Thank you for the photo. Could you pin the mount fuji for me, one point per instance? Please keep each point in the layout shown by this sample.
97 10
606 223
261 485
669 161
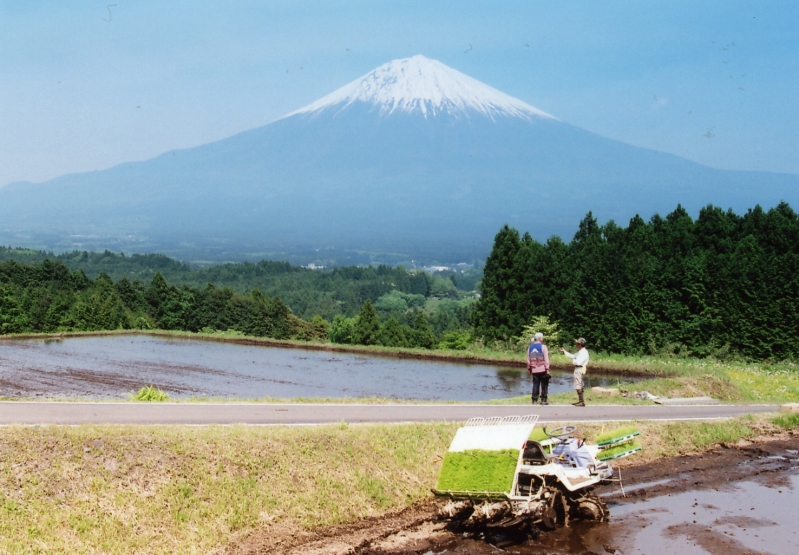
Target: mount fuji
414 160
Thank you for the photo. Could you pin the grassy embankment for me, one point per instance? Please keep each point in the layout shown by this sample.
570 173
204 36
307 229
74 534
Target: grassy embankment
182 489
729 382
733 381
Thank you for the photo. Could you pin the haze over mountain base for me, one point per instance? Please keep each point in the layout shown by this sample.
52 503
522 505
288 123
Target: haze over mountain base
414 161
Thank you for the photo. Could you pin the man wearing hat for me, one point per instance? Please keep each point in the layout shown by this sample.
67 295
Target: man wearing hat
580 361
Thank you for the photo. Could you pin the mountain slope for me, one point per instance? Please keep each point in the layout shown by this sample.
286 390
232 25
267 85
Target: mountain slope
413 158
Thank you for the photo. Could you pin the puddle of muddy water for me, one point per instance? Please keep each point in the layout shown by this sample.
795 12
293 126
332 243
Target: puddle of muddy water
750 512
112 366
748 518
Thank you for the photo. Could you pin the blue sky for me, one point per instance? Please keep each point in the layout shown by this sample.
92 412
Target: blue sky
84 88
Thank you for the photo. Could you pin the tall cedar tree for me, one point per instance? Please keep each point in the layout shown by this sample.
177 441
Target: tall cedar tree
367 328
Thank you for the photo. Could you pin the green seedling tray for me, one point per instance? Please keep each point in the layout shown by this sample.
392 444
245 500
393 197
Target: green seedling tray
611 438
619 452
478 471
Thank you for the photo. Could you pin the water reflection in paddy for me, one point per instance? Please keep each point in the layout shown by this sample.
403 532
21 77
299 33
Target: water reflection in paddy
111 366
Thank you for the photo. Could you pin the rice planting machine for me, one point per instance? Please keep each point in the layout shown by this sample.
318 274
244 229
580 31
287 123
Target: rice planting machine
506 475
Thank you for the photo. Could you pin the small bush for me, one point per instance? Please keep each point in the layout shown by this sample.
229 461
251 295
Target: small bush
149 393
457 340
551 330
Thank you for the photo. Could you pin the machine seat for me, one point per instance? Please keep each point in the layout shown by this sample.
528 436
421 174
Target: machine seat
534 454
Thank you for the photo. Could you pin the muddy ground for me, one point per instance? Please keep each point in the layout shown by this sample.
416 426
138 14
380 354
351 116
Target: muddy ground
731 500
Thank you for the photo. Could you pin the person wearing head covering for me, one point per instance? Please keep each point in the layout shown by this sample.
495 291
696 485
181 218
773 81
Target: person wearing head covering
538 367
580 361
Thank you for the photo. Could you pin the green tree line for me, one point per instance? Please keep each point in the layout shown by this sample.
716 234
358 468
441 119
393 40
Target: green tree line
720 283
48 297
326 293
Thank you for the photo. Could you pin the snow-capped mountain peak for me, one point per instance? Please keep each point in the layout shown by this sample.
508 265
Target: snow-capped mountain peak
419 84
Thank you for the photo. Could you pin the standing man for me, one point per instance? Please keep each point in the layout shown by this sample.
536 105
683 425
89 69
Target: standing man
538 367
580 361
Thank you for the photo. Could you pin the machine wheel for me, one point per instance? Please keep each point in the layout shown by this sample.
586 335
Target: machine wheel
555 513
591 507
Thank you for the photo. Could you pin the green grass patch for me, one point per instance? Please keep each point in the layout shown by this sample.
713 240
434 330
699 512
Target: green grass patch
700 435
149 393
787 421
769 384
539 435
478 471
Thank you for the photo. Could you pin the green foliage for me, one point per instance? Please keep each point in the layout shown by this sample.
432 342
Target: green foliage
47 297
341 330
478 471
149 393
328 293
318 329
443 287
157 292
787 421
497 313
457 340
721 286
397 301
419 283
422 336
392 301
367 326
540 324
392 334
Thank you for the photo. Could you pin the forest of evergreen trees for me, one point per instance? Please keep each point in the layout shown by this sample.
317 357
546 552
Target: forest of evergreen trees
722 283
49 297
326 293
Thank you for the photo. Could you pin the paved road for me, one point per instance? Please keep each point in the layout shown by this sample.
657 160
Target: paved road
16 412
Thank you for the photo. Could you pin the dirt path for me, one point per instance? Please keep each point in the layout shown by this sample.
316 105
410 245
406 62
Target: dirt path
768 462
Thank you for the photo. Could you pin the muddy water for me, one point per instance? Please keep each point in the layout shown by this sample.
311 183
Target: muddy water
113 366
748 517
732 502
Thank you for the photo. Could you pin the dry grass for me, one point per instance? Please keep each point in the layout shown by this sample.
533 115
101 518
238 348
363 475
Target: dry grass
125 489
184 489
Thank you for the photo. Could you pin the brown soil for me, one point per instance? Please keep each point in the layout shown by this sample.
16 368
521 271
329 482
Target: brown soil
411 525
415 530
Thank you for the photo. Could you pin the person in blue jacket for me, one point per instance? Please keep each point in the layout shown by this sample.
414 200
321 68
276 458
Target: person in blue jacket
538 367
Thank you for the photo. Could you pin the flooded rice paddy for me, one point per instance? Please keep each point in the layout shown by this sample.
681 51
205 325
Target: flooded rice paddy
111 366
